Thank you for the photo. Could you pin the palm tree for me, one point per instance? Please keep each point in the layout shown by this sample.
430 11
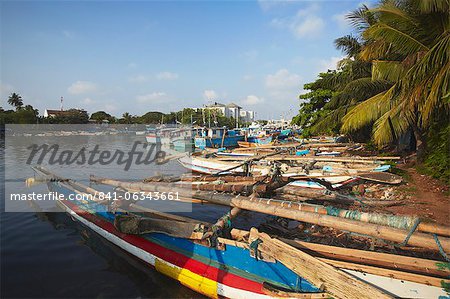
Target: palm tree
408 45
127 118
15 100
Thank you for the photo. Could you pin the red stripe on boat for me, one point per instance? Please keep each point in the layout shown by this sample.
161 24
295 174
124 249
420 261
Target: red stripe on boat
173 257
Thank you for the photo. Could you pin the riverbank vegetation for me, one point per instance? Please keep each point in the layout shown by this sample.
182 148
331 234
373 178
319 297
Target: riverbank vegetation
393 86
188 116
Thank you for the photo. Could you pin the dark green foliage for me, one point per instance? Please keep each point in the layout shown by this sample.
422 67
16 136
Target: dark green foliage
71 116
15 100
101 116
22 115
437 159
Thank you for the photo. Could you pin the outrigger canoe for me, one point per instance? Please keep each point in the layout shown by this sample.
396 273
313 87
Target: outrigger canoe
230 267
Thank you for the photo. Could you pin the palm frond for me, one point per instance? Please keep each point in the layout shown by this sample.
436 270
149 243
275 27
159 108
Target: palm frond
368 111
392 124
401 41
387 70
331 121
348 44
430 63
376 49
439 87
361 18
389 12
427 6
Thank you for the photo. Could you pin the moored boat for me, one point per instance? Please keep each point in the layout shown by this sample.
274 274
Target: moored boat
235 268
217 137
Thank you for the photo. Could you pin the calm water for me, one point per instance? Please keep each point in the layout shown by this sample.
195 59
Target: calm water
48 255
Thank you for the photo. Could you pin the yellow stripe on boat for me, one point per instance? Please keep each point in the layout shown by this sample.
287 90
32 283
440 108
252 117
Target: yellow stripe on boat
188 278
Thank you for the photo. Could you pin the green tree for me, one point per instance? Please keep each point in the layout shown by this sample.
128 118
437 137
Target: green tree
408 46
15 100
153 117
101 116
71 116
127 118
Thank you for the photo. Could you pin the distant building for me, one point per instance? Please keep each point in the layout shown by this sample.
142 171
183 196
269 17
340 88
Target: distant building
232 110
54 113
219 107
278 123
247 116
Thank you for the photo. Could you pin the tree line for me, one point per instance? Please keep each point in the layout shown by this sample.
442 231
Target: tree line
26 114
393 86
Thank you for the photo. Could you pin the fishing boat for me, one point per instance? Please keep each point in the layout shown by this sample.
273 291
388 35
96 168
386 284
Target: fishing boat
152 136
243 264
217 137
260 139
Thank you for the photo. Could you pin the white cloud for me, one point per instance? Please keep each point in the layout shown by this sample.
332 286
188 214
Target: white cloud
282 79
282 90
341 20
210 95
329 64
167 76
87 101
309 27
154 97
267 5
111 108
139 79
305 24
252 100
5 90
80 87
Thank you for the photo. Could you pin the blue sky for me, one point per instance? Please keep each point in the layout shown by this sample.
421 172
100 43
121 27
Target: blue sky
161 56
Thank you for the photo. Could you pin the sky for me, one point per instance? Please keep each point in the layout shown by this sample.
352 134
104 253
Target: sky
140 56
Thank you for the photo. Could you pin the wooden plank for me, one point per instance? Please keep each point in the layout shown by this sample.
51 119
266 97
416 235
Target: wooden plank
371 258
317 272
428 280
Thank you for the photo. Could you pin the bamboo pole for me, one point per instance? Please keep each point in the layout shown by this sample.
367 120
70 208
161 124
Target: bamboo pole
328 278
293 211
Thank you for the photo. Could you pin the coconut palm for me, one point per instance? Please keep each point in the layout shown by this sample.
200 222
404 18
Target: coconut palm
408 45
15 100
127 118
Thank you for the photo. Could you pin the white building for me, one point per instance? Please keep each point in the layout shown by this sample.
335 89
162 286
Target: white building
233 110
278 123
247 116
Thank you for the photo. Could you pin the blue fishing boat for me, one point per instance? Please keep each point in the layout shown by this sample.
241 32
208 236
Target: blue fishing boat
217 137
220 262
226 269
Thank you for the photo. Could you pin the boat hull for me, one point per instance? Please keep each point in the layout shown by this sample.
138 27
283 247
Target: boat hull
228 141
230 273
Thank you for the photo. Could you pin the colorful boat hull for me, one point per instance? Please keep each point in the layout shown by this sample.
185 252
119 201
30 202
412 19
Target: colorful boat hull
230 273
216 142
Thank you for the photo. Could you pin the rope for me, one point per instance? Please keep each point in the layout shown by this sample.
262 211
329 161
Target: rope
441 249
254 246
411 231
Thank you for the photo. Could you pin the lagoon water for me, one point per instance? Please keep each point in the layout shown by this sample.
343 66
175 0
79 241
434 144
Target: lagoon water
46 254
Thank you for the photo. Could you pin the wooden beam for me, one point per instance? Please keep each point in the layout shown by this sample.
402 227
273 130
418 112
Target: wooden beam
326 277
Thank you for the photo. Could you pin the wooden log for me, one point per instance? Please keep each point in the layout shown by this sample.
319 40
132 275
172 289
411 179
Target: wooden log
431 281
239 234
371 258
374 230
291 210
319 273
